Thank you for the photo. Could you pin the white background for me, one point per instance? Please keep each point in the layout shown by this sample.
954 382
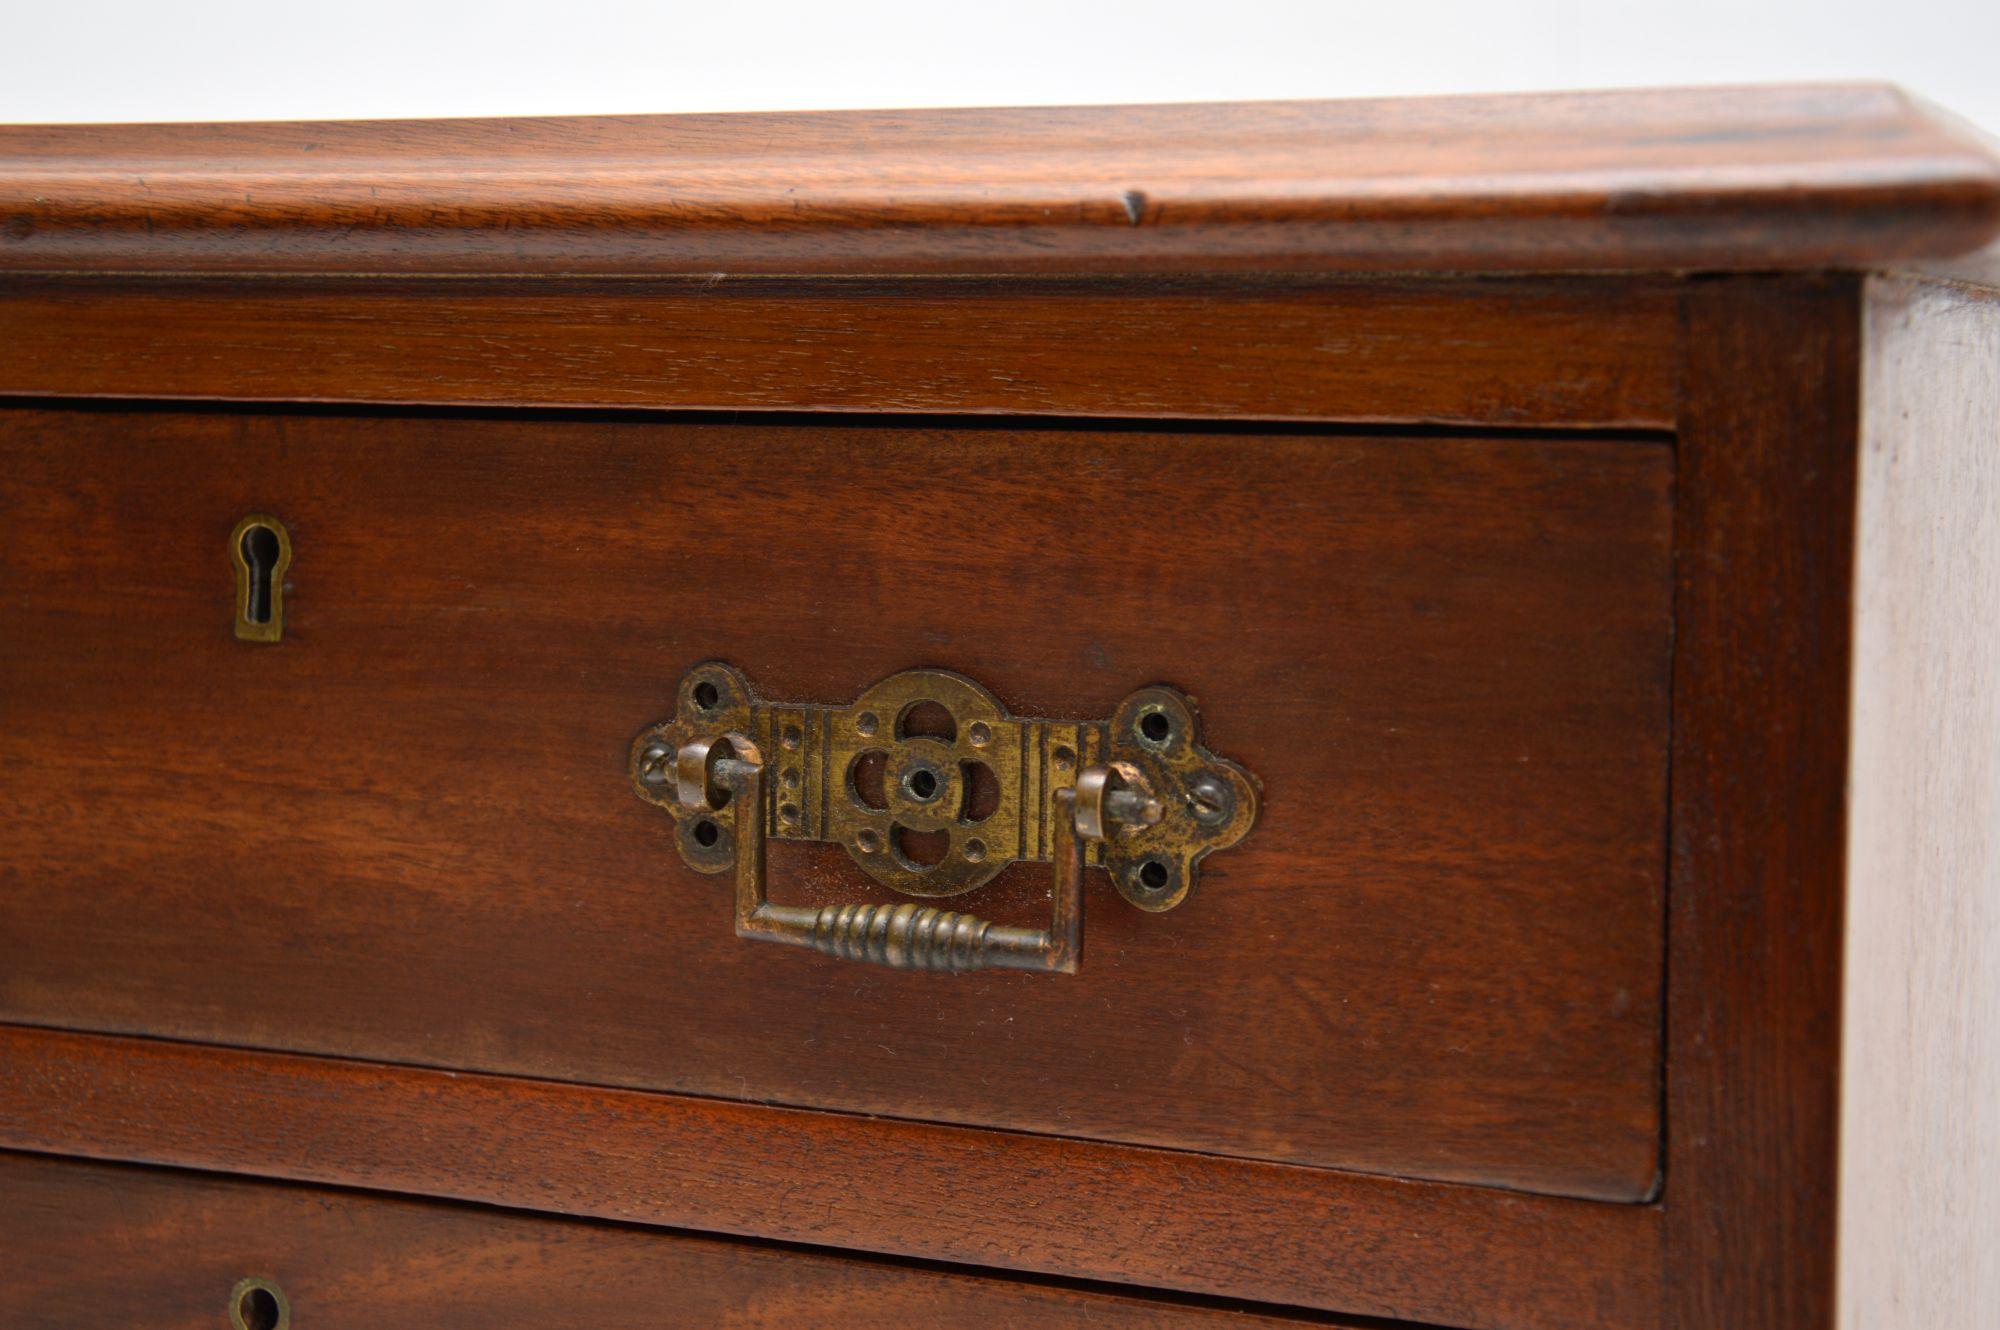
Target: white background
288 59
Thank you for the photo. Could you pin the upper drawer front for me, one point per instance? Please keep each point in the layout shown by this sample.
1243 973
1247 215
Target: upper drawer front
406 830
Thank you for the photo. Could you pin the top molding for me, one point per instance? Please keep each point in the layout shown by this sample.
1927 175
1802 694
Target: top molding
1837 176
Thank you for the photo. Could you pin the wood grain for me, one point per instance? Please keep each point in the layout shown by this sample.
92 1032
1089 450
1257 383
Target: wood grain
1764 537
1696 178
1486 352
1461 1256
1920 1103
1446 659
91 1245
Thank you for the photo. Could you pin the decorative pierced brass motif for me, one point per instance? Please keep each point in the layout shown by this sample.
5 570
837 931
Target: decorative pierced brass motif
933 789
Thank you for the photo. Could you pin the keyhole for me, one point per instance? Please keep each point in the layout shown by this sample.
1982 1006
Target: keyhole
258 1304
262 551
258 1309
260 556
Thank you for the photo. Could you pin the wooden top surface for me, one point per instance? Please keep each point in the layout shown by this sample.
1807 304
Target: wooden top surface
1844 176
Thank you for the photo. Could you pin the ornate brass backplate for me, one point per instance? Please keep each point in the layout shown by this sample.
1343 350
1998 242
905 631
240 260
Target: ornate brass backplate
933 788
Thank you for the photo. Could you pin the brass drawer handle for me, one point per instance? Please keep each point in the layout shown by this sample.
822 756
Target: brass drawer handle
1137 794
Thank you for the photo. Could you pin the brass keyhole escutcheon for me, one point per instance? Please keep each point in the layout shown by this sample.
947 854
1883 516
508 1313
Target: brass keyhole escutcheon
260 548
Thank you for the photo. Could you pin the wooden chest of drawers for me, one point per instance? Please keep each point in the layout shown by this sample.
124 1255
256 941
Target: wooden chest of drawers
1458 638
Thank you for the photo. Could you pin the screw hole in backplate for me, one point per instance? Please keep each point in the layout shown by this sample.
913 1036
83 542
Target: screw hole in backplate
706 833
706 696
1155 728
1153 874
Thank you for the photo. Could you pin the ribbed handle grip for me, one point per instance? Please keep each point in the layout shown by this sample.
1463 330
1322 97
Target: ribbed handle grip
907 937
904 937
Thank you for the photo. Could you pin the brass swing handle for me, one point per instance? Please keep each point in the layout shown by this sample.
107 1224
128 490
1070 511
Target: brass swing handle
908 936
931 753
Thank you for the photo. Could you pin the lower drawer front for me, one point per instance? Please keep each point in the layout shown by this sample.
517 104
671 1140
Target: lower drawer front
406 831
90 1245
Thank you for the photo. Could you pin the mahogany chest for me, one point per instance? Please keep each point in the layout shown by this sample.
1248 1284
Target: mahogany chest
1377 713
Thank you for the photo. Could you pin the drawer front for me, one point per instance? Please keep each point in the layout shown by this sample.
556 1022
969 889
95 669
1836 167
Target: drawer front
405 831
90 1245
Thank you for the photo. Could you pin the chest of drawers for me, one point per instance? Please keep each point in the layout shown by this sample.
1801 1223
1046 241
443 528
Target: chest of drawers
1373 710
